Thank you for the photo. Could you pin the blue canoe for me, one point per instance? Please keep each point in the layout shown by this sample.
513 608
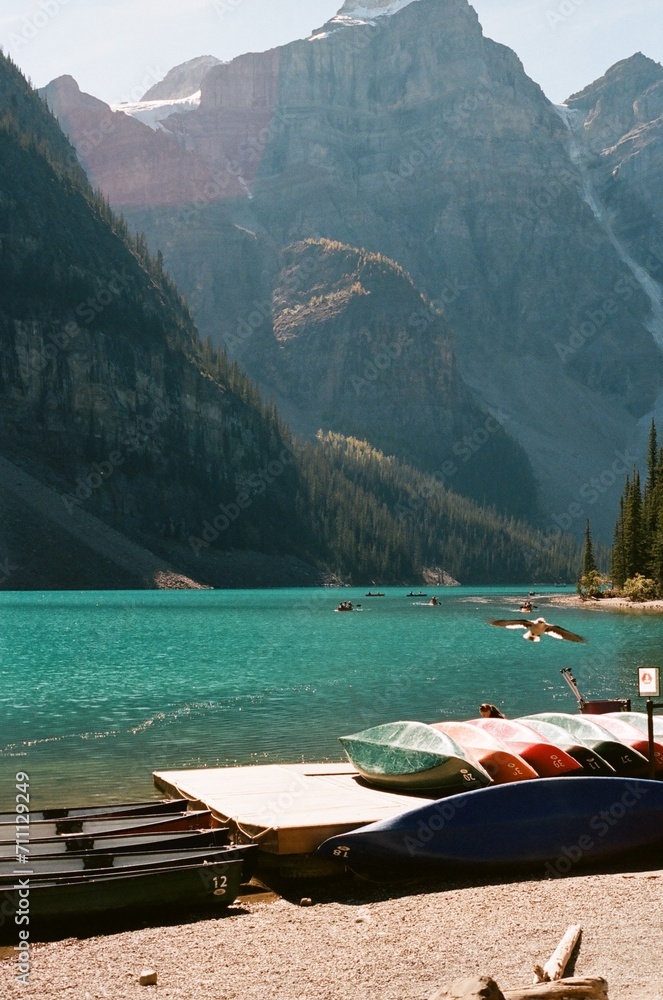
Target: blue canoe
556 823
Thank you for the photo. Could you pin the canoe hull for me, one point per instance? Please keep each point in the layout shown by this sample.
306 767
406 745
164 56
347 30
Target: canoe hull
501 764
158 807
166 891
411 756
548 760
554 826
109 827
626 761
82 845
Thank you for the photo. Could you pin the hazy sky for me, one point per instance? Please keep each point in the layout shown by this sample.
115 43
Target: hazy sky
116 49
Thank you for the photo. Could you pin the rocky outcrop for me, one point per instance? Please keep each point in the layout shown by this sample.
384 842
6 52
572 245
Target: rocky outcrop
183 80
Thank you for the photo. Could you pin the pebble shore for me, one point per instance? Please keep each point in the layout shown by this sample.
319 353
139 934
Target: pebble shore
402 943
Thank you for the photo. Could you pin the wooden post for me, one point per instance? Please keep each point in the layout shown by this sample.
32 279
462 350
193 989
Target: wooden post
558 961
650 736
561 989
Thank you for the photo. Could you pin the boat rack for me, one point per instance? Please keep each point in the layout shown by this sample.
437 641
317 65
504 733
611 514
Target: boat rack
594 707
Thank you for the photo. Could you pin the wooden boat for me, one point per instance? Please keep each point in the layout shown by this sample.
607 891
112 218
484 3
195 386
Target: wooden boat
494 756
631 737
626 762
170 890
82 845
548 760
411 756
72 867
555 826
638 720
590 761
156 807
110 827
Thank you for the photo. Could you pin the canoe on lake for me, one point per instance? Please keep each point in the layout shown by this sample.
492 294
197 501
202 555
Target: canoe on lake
590 761
411 756
501 763
547 759
555 826
626 762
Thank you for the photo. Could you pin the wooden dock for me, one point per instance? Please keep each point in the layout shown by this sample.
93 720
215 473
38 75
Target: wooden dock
288 809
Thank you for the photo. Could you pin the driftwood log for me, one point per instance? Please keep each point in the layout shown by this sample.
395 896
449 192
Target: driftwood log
558 961
562 989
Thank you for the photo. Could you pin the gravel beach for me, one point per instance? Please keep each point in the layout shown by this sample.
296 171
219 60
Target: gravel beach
369 943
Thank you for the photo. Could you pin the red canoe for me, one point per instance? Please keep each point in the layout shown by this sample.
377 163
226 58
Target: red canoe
548 760
494 756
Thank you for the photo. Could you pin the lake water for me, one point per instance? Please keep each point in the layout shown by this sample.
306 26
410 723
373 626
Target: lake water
97 690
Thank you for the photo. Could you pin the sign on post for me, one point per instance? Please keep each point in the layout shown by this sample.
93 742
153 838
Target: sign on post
649 684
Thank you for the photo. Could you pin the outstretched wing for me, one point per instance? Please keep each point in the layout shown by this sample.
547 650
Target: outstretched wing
557 632
513 623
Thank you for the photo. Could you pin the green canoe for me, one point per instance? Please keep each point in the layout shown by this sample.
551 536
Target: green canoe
411 756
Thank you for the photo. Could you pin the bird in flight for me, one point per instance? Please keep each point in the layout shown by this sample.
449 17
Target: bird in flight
534 630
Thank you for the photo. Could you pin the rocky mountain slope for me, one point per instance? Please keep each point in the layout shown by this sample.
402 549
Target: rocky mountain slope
132 454
401 129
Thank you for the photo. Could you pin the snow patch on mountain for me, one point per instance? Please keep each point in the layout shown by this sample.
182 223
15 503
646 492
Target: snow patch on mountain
353 14
154 113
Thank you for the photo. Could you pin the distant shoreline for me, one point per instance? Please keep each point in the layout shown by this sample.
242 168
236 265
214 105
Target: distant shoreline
605 603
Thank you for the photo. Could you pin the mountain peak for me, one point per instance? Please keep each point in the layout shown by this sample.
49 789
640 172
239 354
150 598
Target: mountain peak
357 12
372 8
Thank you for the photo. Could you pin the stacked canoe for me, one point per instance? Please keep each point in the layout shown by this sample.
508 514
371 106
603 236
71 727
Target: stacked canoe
610 811
116 860
448 757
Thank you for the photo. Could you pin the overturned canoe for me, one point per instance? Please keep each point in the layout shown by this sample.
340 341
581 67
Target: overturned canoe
156 807
83 845
501 763
555 825
639 720
117 826
411 756
626 761
547 759
591 762
632 737
73 867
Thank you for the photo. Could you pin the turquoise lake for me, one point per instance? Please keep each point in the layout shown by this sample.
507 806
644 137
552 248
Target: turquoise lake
97 690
